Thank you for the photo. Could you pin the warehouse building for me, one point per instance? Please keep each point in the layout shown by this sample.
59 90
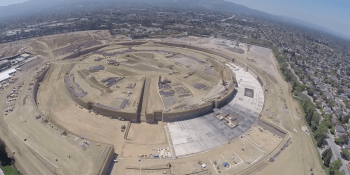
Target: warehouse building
6 75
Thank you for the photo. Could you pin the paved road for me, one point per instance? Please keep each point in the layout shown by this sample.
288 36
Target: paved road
336 153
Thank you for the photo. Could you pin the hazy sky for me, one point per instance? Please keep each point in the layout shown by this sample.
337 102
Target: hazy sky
331 14
9 2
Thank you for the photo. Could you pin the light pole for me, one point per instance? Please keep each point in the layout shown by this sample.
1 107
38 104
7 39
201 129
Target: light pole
140 166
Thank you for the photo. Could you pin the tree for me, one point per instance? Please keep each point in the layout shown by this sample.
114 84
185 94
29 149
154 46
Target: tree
310 92
299 87
347 104
345 119
327 123
344 138
318 104
338 141
327 159
319 137
325 153
345 154
5 160
330 103
334 167
2 148
332 130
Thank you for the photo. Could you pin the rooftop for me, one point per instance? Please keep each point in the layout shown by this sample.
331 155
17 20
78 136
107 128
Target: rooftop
6 74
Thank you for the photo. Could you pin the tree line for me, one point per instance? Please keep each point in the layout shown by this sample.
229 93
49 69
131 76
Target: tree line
319 129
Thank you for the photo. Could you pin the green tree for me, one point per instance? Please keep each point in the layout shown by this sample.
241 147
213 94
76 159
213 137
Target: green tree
327 123
325 153
345 154
5 160
334 167
338 141
347 104
332 130
345 119
318 104
310 92
344 138
327 159
319 137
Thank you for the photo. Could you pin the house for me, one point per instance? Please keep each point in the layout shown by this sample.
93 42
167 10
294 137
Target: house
329 96
338 102
338 111
327 110
343 96
339 131
324 104
346 145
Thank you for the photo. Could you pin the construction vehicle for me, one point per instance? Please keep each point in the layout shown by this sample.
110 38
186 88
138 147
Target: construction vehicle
123 128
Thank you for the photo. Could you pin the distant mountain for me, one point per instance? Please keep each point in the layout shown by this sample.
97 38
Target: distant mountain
52 6
40 6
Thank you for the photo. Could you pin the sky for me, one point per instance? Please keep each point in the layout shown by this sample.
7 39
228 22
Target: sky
331 14
9 2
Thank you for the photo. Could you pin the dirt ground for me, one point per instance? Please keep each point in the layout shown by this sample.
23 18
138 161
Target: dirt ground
38 146
82 150
280 108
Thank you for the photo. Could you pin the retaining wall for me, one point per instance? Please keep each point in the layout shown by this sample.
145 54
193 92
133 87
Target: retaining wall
231 93
132 43
158 115
83 52
188 114
130 116
192 113
197 48
108 161
84 103
37 79
150 117
222 102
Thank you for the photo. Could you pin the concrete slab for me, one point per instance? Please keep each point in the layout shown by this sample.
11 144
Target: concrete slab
207 132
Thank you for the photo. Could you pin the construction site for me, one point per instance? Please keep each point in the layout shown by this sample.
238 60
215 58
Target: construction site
91 103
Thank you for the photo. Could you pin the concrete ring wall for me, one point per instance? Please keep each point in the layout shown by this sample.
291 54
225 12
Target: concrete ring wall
158 115
83 52
37 79
106 112
188 114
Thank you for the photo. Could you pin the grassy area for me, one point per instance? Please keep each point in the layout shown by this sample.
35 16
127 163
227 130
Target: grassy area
9 170
313 139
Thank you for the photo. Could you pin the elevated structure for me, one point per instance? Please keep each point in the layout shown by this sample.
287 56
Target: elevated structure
6 75
150 83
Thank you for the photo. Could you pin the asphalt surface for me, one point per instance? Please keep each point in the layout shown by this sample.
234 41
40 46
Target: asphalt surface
336 149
